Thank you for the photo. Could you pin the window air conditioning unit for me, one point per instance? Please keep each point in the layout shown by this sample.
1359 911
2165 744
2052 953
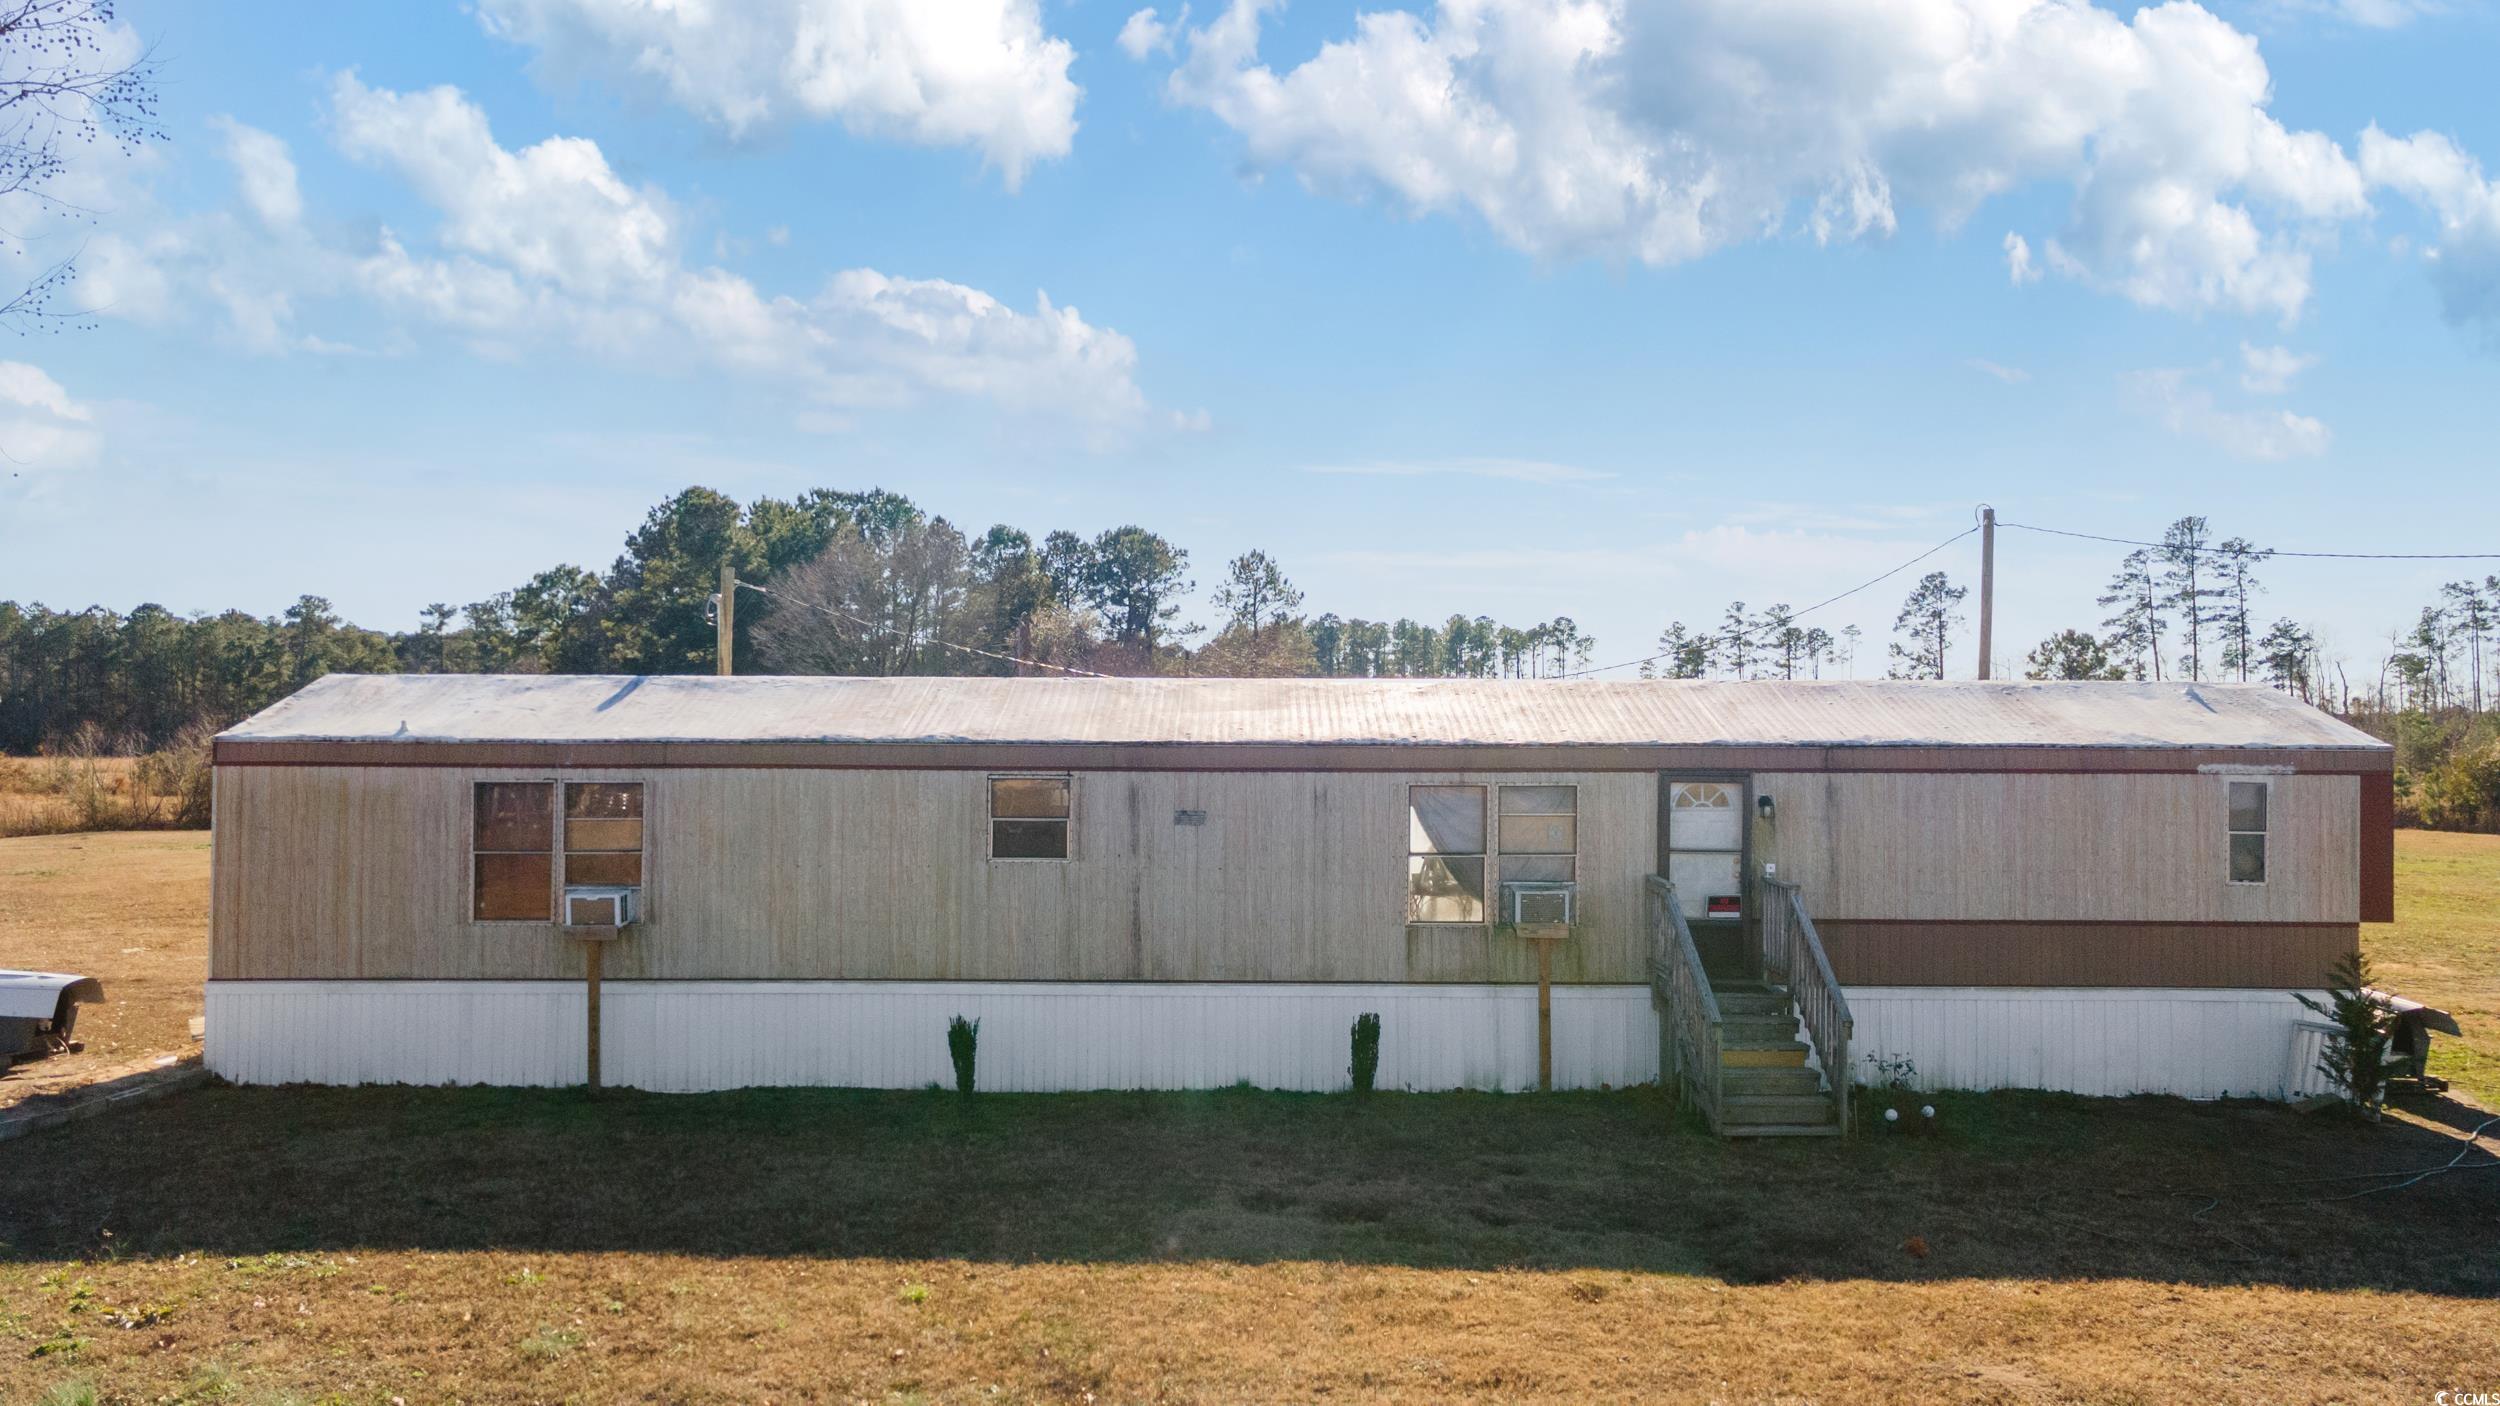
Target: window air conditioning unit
601 905
1539 905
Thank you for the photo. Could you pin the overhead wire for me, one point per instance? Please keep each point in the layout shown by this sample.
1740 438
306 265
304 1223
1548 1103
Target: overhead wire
1747 635
2271 552
875 628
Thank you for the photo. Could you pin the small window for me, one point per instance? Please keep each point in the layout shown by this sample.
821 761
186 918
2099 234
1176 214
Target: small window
512 852
1029 817
1445 854
1539 834
603 833
2248 831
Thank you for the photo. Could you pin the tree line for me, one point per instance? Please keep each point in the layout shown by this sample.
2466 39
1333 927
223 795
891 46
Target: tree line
832 582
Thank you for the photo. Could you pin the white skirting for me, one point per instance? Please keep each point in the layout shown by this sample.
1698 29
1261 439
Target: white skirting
686 1036
2111 1041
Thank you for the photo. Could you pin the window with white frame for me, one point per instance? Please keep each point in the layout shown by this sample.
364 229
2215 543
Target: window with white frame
1029 816
2249 806
1445 854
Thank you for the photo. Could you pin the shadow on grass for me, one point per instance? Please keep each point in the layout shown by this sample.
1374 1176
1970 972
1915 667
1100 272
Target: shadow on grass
2014 1185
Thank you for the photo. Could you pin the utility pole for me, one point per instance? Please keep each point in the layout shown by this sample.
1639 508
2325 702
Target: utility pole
725 619
1987 587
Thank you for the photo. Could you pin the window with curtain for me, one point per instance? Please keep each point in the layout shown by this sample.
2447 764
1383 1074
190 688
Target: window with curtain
1445 854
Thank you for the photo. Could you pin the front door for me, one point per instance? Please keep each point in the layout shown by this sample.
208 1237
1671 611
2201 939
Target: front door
1701 836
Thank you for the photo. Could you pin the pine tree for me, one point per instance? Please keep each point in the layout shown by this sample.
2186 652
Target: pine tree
2071 654
2284 655
2135 630
2237 560
1925 625
2187 587
1736 640
2470 607
1255 594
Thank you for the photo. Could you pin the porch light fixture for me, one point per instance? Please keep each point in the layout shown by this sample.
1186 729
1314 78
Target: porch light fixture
1764 806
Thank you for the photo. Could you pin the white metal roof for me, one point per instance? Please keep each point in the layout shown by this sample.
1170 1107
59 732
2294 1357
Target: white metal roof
573 708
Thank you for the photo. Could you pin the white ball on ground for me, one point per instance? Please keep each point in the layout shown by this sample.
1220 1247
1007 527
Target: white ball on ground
1927 1110
1892 1115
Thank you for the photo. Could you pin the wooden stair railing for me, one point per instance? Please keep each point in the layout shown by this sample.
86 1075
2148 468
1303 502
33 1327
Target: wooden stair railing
1790 942
1694 1029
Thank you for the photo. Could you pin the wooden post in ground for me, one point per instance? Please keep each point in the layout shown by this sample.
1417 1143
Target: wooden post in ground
725 620
1545 1017
1544 937
593 960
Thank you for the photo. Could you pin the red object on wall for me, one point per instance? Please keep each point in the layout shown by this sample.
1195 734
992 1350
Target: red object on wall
1725 905
2378 848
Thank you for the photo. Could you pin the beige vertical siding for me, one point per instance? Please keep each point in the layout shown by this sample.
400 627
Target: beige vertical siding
2058 847
883 875
803 874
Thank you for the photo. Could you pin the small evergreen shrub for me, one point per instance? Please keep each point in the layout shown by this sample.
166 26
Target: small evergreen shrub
2355 1062
1366 1051
963 1041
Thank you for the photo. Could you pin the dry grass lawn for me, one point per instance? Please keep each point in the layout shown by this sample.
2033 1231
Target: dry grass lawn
265 1246
2444 948
129 908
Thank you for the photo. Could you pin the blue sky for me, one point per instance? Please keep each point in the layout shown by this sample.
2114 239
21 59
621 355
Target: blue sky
1620 311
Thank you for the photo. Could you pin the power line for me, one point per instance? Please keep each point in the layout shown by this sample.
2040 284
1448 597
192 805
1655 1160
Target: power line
875 628
1793 615
2332 556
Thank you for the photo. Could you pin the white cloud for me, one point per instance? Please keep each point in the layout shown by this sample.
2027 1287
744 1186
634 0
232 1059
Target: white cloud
2434 173
549 241
1662 132
1514 470
41 428
2010 375
547 244
979 73
554 212
2019 269
266 171
2270 370
2187 409
1144 35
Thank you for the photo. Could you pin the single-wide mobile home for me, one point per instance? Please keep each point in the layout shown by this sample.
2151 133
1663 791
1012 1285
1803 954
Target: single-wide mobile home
1182 883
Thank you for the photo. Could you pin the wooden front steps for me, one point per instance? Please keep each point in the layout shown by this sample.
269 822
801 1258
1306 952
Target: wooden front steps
1769 1086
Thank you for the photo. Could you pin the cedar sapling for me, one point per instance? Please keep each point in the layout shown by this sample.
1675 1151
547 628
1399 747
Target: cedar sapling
963 1040
1366 1051
2355 1061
